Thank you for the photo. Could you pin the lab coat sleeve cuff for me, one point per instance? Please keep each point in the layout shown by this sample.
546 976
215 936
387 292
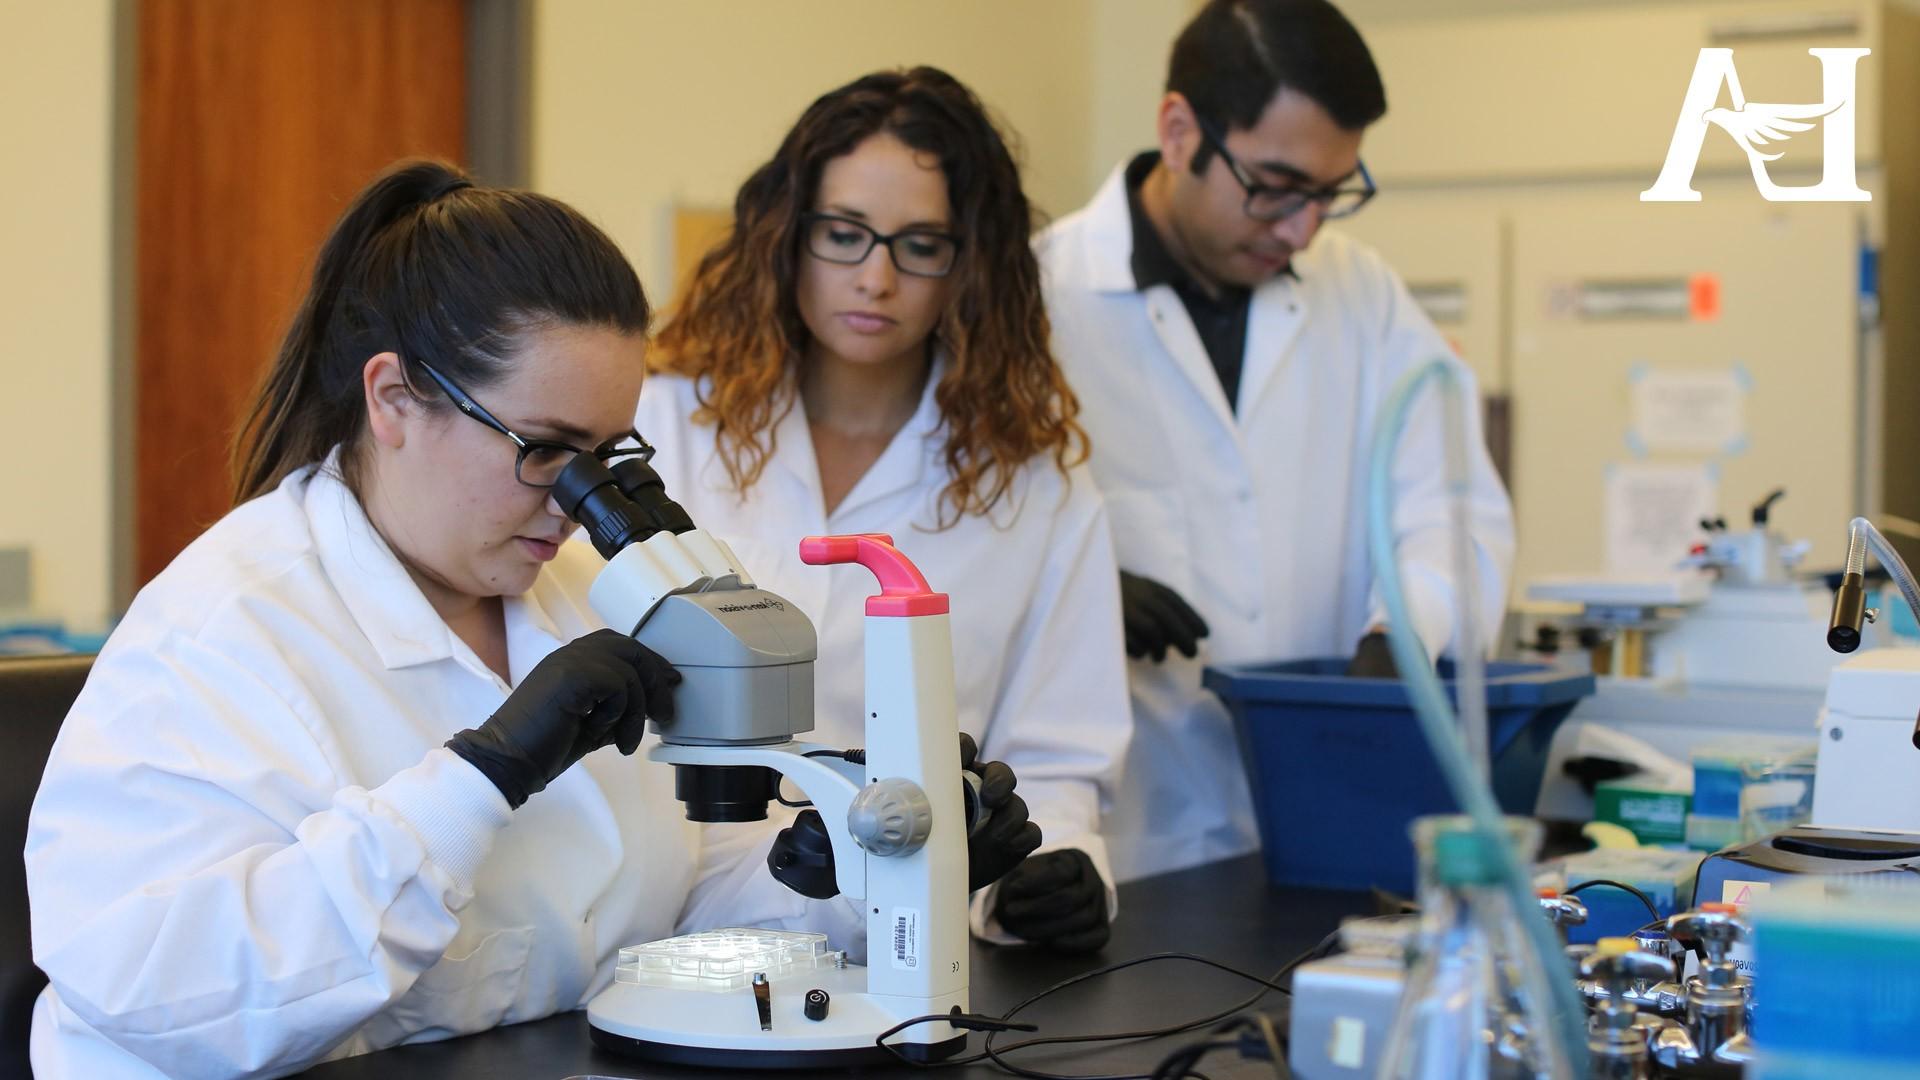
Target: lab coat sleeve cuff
452 807
987 927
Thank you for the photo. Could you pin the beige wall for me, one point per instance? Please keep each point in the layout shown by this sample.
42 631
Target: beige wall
56 326
642 106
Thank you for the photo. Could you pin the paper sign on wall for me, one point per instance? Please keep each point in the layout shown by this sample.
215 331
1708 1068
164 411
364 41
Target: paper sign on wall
1689 410
1653 514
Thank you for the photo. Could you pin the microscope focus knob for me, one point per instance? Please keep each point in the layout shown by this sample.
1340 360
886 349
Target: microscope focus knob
890 817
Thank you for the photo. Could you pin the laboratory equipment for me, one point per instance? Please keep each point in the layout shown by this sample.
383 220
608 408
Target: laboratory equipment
1344 1004
1713 1035
1869 770
897 817
1563 911
1648 1022
1471 1006
1618 973
1737 874
1726 649
1554 1036
1843 952
1869 734
1662 876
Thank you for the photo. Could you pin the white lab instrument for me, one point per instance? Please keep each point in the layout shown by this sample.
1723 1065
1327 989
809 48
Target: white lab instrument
896 816
1729 645
1869 738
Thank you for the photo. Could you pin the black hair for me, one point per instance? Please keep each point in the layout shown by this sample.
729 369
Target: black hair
1236 55
434 267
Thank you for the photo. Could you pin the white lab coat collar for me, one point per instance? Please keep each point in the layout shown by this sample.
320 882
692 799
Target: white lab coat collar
384 601
899 467
386 604
1279 308
1106 244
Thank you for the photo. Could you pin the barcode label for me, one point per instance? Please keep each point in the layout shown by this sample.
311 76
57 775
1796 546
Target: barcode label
906 938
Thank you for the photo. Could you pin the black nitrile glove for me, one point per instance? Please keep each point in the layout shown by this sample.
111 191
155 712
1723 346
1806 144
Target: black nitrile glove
1373 659
1008 836
1055 899
802 857
1155 617
591 692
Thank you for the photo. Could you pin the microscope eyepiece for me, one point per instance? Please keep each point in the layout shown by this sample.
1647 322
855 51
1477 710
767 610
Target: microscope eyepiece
641 484
618 506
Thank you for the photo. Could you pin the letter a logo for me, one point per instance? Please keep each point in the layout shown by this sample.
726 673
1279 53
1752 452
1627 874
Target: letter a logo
1753 125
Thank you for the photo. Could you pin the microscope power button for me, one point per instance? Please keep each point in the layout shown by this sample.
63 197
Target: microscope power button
816 1006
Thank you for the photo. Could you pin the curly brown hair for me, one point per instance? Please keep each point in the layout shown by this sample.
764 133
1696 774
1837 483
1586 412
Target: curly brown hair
737 331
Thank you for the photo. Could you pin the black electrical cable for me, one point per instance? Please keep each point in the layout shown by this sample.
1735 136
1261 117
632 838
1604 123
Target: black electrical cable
990 1052
1185 1061
1622 886
1257 1038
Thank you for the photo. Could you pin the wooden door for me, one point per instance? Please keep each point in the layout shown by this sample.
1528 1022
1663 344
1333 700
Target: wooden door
257 123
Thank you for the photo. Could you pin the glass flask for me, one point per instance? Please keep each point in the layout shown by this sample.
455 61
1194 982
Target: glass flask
1476 1000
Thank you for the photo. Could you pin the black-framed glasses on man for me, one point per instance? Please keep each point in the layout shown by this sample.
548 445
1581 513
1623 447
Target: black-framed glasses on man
1266 202
920 252
540 461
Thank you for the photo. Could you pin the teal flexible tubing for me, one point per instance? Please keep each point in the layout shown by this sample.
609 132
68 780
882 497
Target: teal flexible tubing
1470 789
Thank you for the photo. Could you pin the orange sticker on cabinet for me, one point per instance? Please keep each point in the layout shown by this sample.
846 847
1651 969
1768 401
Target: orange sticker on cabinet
1703 295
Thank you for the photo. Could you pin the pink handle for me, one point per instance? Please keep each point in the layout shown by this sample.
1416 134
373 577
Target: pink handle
903 590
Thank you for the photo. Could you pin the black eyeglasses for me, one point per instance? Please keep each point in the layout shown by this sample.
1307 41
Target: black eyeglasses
540 461
1268 203
920 252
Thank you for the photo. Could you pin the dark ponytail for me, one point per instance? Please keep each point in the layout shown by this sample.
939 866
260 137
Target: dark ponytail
429 265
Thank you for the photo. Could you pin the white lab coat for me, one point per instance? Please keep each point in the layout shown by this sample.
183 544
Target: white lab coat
251 853
1038 661
1257 519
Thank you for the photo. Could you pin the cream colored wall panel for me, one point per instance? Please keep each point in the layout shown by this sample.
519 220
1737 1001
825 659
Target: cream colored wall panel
1788 311
1446 254
56 101
1592 91
1131 41
644 106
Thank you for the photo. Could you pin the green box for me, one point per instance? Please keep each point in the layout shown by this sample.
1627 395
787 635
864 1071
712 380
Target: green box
1655 813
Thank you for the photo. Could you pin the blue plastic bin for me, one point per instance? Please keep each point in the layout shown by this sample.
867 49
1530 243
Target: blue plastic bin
1338 766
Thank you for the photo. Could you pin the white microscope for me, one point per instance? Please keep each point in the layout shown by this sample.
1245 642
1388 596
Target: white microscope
898 816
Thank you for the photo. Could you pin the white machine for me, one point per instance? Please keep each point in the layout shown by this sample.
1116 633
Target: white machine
898 815
1730 644
1868 775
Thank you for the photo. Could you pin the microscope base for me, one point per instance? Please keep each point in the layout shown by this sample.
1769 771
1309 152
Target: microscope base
700 1027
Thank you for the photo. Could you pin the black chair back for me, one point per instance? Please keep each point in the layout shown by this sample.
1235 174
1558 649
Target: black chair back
35 695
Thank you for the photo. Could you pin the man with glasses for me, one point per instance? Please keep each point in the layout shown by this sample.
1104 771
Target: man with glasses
1230 356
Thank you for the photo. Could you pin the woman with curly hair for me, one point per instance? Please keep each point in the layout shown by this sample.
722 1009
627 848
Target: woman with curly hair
867 352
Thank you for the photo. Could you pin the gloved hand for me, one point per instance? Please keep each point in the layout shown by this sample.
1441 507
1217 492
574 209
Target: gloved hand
1055 899
1155 617
590 692
1008 836
802 854
1373 658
